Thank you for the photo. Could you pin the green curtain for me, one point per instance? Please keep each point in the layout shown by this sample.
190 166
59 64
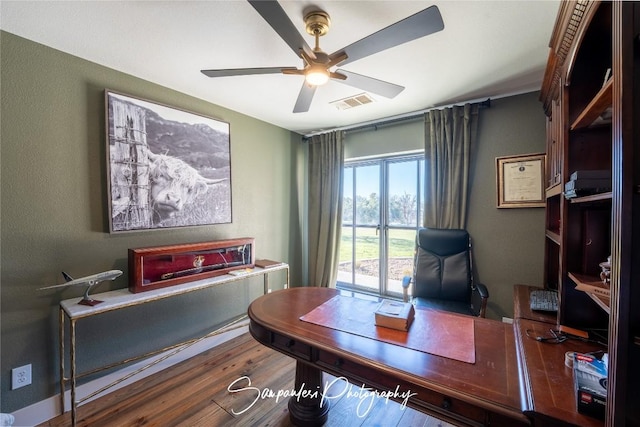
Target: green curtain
326 159
450 135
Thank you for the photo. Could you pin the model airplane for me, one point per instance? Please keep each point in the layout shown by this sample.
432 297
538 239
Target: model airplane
89 282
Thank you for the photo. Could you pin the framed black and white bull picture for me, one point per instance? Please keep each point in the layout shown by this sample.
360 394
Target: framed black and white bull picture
167 167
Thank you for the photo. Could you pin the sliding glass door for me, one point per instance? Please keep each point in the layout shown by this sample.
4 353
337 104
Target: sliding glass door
382 209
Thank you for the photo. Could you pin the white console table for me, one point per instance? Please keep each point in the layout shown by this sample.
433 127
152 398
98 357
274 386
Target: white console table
122 298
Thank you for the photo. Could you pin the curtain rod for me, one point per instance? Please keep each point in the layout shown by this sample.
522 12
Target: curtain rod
394 120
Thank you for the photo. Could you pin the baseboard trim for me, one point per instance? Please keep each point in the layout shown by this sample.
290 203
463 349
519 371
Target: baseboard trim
49 408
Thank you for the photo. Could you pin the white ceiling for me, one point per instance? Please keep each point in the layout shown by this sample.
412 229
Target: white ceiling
488 49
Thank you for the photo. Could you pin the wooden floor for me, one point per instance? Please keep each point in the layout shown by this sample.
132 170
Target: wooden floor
195 393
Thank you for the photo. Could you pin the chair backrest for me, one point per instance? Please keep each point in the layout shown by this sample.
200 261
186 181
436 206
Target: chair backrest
442 265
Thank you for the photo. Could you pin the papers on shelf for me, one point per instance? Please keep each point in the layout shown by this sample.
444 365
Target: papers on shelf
241 272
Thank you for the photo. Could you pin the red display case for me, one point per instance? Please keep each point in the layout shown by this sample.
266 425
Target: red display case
162 266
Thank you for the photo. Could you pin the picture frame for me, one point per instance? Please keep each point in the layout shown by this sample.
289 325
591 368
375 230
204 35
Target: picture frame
520 181
167 167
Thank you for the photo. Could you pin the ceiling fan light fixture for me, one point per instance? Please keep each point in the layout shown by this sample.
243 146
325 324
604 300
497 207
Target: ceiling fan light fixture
317 76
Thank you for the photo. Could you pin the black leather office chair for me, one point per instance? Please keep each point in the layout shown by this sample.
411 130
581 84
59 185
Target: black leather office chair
443 274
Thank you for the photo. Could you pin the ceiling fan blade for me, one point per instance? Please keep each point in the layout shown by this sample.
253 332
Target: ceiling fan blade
379 87
246 71
304 98
415 26
336 58
274 14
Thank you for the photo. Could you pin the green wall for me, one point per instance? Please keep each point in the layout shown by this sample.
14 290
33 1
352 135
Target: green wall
54 215
508 243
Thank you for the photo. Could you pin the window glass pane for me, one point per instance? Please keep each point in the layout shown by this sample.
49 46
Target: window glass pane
401 245
345 265
347 196
367 197
367 256
422 193
402 193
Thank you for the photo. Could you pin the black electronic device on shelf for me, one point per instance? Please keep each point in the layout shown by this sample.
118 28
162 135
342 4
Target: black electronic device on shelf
588 182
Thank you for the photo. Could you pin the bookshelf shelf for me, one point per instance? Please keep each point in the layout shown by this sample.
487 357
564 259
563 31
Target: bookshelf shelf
594 288
598 105
553 236
554 190
593 198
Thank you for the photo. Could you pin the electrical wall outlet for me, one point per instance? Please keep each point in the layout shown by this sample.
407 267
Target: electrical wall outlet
21 376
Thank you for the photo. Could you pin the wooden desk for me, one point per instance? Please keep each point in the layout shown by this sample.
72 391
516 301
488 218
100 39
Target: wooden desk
548 393
484 393
522 309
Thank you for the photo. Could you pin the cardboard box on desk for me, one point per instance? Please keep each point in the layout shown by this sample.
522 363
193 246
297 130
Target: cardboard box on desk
590 382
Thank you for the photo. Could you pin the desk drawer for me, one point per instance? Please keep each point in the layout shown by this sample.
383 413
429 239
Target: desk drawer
422 398
292 347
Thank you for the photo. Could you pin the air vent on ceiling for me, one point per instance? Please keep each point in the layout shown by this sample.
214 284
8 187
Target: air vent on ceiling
352 101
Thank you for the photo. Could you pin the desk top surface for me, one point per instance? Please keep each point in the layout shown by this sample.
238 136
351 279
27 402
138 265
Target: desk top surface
492 382
549 390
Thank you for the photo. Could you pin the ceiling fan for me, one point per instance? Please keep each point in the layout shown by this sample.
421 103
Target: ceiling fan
318 64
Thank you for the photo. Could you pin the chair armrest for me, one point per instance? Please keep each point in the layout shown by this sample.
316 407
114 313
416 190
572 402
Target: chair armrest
479 298
482 290
406 281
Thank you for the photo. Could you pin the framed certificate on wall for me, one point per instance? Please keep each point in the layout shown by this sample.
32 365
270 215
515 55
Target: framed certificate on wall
520 181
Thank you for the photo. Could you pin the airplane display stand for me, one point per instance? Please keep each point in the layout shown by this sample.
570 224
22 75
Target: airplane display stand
70 310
